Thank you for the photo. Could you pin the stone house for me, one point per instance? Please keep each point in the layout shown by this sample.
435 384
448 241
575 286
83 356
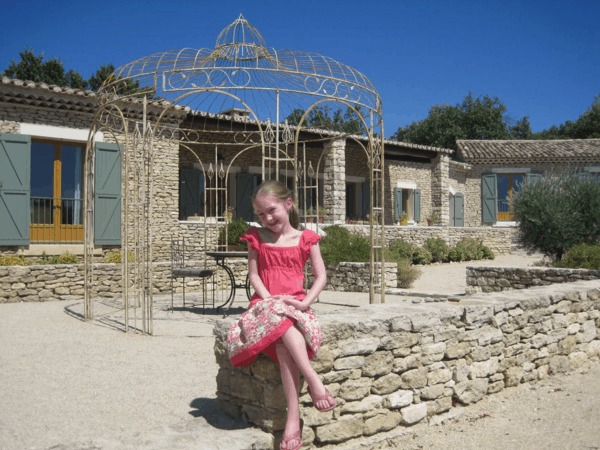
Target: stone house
487 173
43 135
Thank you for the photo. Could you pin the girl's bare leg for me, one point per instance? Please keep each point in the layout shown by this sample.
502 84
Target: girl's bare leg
295 344
291 385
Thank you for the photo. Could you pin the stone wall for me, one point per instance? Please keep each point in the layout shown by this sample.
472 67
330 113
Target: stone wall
354 276
392 366
42 283
496 279
499 240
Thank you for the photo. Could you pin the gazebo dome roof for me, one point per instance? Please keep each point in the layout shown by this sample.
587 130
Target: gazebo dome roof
242 72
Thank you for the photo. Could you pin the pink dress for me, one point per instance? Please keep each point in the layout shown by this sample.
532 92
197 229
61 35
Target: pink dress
265 321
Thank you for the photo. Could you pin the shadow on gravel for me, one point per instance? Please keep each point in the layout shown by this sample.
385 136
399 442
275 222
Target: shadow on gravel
208 311
206 408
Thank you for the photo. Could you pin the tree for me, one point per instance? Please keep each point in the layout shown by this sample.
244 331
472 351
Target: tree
325 117
522 129
100 76
33 67
587 126
558 212
475 118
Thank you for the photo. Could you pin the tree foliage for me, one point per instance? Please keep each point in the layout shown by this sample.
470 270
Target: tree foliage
475 118
557 212
330 119
52 71
587 126
33 67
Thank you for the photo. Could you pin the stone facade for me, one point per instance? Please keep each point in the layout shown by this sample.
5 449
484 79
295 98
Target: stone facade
496 279
334 193
392 366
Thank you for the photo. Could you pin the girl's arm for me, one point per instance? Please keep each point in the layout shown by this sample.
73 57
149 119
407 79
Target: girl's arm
257 284
320 273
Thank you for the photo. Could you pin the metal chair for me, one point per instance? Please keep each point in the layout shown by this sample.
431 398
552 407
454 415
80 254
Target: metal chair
179 270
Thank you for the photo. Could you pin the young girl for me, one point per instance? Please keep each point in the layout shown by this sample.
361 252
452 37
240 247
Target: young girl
279 321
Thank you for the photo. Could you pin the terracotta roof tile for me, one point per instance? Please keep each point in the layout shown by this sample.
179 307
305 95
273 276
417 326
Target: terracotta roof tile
473 151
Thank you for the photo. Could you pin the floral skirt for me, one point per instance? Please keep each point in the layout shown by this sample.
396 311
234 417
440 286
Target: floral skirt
263 323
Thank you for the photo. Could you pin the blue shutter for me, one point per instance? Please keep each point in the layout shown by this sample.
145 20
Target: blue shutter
397 204
244 183
459 210
366 199
534 177
191 192
15 165
489 201
417 207
107 194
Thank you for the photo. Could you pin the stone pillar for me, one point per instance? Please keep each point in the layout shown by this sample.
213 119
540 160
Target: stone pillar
439 190
334 183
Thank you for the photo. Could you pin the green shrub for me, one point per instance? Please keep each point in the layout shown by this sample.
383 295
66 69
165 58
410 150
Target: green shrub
115 257
487 252
469 249
407 273
401 250
235 230
582 256
457 254
339 245
422 256
438 249
65 258
13 260
558 212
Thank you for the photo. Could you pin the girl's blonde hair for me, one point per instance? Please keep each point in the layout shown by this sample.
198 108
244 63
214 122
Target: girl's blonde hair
281 192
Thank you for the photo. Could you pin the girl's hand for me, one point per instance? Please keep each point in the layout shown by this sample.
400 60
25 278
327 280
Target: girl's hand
291 300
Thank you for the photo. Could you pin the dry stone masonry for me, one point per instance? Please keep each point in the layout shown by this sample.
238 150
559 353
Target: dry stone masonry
392 366
496 279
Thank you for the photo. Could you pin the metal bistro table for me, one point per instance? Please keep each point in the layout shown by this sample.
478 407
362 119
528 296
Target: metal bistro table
229 293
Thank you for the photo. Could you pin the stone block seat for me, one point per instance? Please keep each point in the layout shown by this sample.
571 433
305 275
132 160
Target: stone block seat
395 365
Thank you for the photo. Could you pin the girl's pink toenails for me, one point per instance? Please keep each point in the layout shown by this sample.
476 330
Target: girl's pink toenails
327 397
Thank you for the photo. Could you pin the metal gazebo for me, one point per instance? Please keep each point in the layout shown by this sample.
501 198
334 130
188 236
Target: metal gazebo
283 102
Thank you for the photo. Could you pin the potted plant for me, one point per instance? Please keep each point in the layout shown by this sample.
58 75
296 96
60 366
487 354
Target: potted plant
404 219
321 214
432 218
309 212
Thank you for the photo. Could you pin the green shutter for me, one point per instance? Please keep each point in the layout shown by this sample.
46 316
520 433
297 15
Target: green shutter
243 193
366 199
191 192
459 210
417 207
489 201
534 177
107 194
397 204
15 166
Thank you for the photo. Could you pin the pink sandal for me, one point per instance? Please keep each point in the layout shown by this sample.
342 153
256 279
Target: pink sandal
327 397
297 436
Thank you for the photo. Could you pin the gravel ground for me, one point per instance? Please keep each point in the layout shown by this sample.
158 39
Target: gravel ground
70 385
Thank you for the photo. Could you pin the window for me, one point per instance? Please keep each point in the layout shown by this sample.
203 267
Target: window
358 198
497 190
56 192
407 202
508 185
41 189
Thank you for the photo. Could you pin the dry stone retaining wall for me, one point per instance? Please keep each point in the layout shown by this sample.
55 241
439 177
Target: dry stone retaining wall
496 279
392 366
499 240
42 283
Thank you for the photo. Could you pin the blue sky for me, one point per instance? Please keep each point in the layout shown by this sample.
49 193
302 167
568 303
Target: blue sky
541 58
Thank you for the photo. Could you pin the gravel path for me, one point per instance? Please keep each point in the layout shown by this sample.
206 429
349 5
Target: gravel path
70 385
